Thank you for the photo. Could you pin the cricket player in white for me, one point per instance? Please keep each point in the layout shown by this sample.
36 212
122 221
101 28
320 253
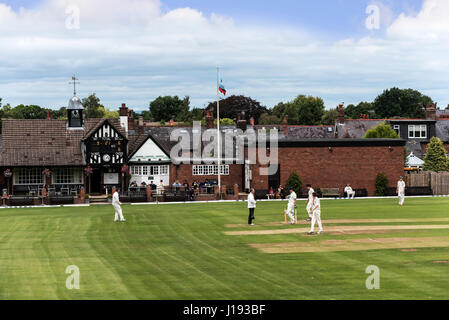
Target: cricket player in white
309 201
349 191
251 207
316 214
291 206
116 204
400 190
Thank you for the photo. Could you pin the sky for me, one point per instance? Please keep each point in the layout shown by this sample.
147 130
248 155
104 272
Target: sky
132 51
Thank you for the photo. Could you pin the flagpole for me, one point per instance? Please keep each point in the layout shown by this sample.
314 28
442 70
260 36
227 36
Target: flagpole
218 134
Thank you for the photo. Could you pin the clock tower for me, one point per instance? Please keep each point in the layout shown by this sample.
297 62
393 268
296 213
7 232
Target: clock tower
75 109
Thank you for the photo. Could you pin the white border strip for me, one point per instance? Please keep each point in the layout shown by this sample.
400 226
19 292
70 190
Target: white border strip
212 201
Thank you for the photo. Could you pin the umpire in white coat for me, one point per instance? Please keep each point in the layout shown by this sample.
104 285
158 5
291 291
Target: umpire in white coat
251 207
117 206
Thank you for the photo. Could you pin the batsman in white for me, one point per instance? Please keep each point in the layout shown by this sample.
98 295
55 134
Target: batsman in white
291 206
117 206
309 201
400 190
316 214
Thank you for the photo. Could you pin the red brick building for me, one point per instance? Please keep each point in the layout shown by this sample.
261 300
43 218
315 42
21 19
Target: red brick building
332 163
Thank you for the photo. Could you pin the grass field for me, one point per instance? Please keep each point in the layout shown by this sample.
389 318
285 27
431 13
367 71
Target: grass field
205 251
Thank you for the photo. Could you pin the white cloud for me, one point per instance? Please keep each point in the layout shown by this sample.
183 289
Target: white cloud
131 51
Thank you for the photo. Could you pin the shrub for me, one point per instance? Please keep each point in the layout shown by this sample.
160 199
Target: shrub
294 182
381 184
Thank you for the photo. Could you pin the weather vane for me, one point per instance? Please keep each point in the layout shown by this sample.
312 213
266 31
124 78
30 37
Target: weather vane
74 82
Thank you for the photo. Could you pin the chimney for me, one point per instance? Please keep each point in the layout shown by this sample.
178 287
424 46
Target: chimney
241 123
48 115
285 126
123 110
431 112
209 120
341 114
251 121
131 119
140 125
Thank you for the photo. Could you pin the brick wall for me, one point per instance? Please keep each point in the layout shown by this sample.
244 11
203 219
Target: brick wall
323 168
184 172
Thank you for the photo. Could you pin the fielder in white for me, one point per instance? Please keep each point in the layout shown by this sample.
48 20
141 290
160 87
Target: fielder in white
291 206
316 214
309 201
116 204
400 190
349 191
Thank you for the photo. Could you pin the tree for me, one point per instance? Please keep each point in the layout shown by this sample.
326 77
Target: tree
108 114
354 112
60 114
28 112
294 182
170 108
232 106
267 119
381 131
92 107
225 122
436 159
329 117
303 110
197 114
381 184
397 102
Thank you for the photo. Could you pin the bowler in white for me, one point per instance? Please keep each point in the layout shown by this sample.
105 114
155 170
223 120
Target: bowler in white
310 192
117 206
316 214
400 190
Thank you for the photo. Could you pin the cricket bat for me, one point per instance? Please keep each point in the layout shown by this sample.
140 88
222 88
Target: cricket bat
285 216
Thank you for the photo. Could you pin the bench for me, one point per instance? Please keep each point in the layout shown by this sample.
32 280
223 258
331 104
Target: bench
330 192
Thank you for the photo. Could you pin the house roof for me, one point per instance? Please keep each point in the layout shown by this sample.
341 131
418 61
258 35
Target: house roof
356 129
45 142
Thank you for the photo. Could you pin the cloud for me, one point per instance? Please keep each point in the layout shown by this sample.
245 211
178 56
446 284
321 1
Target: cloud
132 51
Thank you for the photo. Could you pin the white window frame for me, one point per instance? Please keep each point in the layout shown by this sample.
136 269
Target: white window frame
413 129
69 176
397 128
28 176
210 170
150 170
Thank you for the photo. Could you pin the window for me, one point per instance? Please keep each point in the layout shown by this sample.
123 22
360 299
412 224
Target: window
146 171
67 176
397 128
210 170
25 176
417 131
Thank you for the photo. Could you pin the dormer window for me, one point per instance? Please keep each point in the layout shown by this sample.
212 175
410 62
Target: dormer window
417 131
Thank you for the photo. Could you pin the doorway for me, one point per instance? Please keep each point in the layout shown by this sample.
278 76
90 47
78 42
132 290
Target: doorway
95 183
274 180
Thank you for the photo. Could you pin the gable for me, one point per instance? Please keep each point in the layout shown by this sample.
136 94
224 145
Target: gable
105 130
149 151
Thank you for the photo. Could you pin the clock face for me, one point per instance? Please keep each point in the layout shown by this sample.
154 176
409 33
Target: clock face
106 158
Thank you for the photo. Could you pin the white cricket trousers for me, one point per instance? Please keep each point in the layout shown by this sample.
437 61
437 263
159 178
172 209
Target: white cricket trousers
309 209
351 195
401 197
118 212
291 212
316 218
